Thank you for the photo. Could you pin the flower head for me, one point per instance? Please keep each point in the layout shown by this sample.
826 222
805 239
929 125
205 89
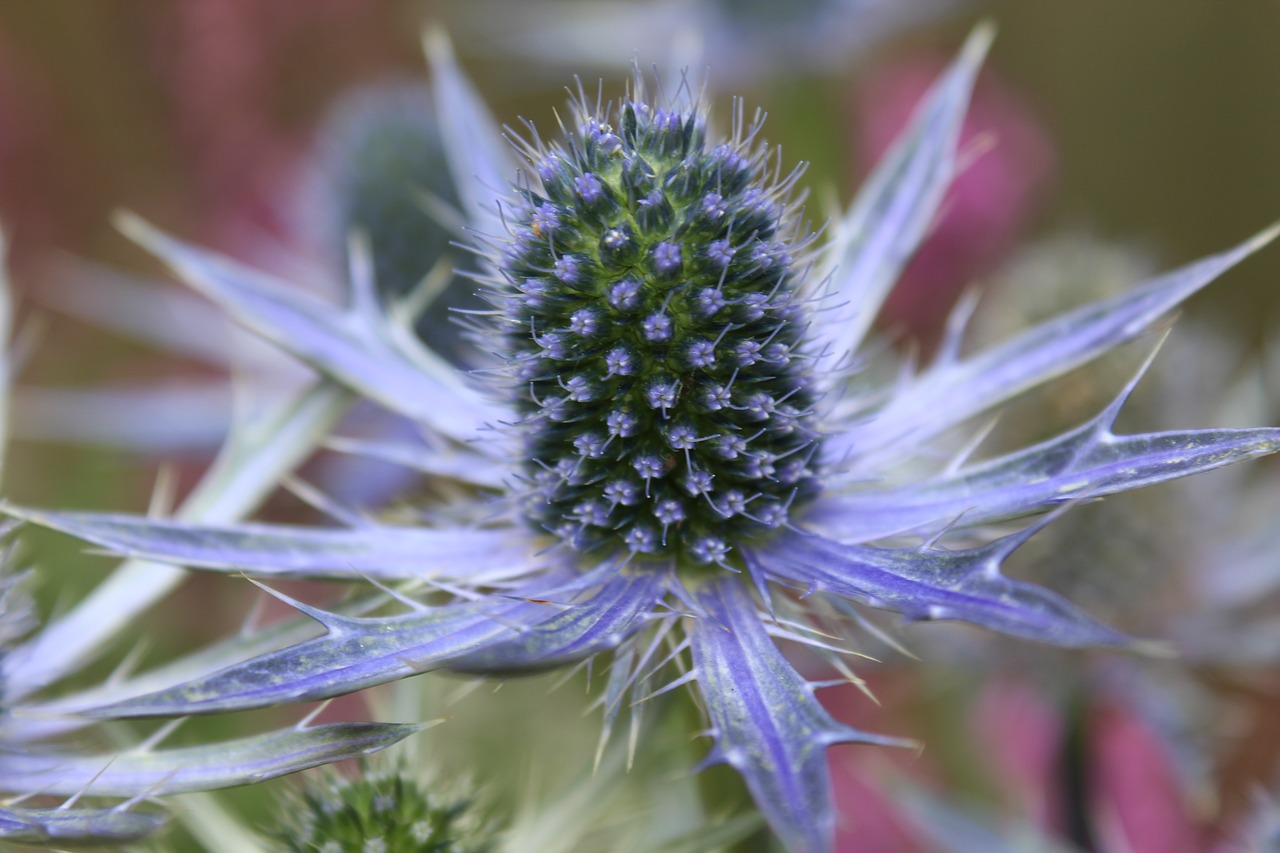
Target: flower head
679 446
379 811
652 334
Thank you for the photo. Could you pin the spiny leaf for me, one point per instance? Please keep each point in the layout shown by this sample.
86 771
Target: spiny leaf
348 345
255 458
378 552
42 720
357 652
455 464
934 584
69 829
198 768
472 140
151 419
599 624
1089 461
765 720
897 205
955 391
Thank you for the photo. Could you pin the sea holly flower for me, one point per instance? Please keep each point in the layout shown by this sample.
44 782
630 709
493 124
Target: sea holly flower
426 798
638 490
379 169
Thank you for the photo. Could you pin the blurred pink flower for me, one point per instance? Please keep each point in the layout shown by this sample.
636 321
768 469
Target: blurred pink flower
990 204
868 820
1137 804
1133 797
1020 733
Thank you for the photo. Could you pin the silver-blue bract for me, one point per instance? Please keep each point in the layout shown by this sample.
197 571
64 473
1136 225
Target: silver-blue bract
612 420
63 795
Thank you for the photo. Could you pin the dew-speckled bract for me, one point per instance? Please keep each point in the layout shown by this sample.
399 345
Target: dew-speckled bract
655 336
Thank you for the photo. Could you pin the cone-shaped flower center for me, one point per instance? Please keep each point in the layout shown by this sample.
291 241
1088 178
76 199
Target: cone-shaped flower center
656 340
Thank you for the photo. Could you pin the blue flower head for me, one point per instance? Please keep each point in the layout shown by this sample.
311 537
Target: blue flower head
381 809
655 336
678 447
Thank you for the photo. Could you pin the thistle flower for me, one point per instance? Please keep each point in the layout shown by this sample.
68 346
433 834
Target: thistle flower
538 793
677 444
379 169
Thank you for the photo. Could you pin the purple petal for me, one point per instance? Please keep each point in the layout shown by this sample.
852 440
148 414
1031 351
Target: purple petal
378 552
350 346
200 768
597 625
932 584
954 391
765 720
